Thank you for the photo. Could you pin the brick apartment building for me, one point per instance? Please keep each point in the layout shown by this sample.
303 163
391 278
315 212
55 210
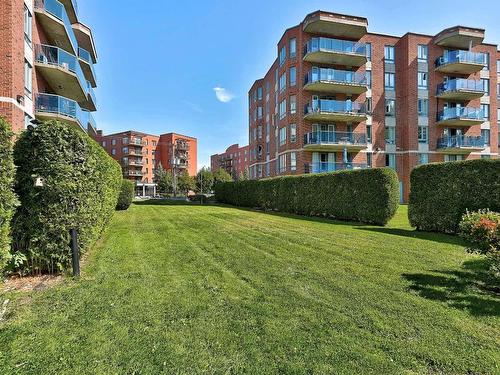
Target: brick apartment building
339 97
235 160
47 58
140 154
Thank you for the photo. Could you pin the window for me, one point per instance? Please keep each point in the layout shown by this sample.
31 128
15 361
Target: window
282 55
368 105
486 86
259 132
498 66
283 109
293 76
113 142
293 104
259 93
390 161
390 107
28 25
125 141
486 111
423 107
113 152
369 51
422 80
293 133
486 61
259 112
453 157
369 159
369 78
103 143
423 158
369 133
282 163
389 81
293 161
293 48
28 80
283 82
389 53
390 135
485 133
27 120
423 134
498 90
282 137
422 53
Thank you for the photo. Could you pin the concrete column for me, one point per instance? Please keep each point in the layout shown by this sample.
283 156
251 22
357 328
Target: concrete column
154 190
143 190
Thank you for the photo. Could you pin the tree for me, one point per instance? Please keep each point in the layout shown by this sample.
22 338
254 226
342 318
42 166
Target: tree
243 176
185 183
164 180
204 181
220 175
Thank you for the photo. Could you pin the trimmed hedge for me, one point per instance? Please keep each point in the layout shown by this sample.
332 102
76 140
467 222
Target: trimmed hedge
442 192
368 196
81 183
8 199
126 195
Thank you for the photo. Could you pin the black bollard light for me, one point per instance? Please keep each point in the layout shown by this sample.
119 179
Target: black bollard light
74 253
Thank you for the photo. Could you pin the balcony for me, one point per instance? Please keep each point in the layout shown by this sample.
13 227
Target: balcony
85 39
180 163
459 37
461 62
460 144
460 116
460 89
337 25
335 51
133 163
71 9
62 72
134 173
133 152
335 110
324 80
323 167
87 66
334 141
182 146
55 21
91 103
53 107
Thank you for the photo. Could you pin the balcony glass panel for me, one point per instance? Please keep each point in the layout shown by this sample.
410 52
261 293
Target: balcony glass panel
459 84
322 167
460 141
335 45
335 106
326 137
460 113
335 75
460 56
59 105
90 91
85 56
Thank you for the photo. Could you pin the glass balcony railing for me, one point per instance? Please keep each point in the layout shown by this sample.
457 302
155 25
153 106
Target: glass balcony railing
335 45
59 105
85 56
90 91
458 141
335 75
460 84
460 113
322 167
56 56
459 56
56 9
334 138
335 106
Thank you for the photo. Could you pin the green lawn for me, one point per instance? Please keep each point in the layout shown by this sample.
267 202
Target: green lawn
185 289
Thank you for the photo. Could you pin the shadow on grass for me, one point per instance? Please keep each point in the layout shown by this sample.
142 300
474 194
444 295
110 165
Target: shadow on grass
411 233
471 288
168 202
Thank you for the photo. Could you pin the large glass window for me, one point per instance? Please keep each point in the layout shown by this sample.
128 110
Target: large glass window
369 51
498 66
283 82
369 133
422 80
485 133
422 53
389 81
389 53
293 161
28 78
423 134
390 160
282 137
283 109
486 86
293 133
28 25
390 135
282 163
259 93
369 78
423 107
486 111
486 60
423 158
390 107
259 112
293 76
282 55
293 48
293 104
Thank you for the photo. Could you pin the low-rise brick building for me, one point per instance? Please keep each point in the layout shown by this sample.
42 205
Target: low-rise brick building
235 160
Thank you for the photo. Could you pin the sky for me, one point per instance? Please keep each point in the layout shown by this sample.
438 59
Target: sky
187 66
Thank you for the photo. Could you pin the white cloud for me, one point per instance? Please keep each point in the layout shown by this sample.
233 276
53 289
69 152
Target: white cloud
223 95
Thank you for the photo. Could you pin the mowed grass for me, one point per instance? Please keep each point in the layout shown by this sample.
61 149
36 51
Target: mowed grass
186 289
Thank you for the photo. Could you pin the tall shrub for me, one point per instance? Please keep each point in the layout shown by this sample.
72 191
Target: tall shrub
126 195
81 183
441 193
7 197
368 196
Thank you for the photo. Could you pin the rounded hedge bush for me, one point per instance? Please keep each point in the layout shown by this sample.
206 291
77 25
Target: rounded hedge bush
81 183
367 196
126 195
8 199
442 192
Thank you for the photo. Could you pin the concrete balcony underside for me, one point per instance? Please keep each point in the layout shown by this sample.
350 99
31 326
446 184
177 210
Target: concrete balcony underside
460 68
460 37
336 87
459 149
336 116
88 72
335 58
325 147
69 5
459 121
336 25
55 30
460 95
62 81
49 116
85 39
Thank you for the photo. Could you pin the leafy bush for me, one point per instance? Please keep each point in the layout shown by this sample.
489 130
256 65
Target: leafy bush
8 199
368 196
81 183
126 195
481 229
441 193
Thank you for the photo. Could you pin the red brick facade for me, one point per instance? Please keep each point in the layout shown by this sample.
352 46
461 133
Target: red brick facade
235 160
317 136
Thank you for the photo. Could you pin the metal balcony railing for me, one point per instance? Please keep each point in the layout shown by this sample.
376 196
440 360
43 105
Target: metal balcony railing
85 56
322 167
334 138
458 141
